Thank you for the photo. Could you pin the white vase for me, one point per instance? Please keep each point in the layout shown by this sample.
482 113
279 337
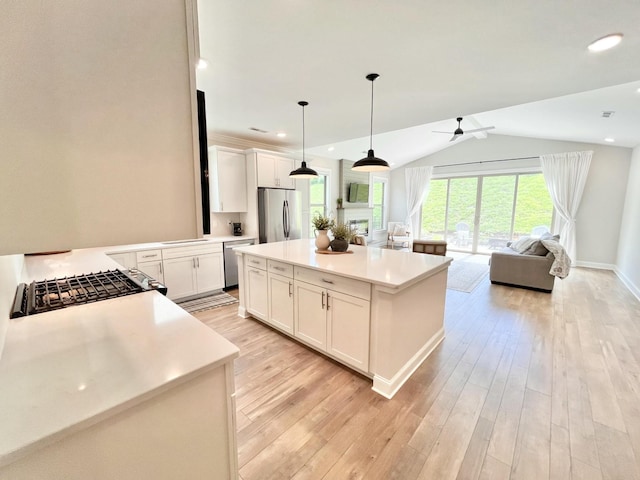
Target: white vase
322 240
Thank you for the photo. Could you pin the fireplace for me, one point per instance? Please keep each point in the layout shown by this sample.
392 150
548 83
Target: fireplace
360 226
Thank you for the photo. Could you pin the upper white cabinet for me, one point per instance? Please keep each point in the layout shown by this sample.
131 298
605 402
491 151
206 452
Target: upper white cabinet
227 180
272 169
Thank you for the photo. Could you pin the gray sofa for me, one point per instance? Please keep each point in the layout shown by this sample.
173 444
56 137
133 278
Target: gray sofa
509 267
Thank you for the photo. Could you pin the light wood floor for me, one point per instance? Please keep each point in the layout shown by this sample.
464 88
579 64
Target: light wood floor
525 385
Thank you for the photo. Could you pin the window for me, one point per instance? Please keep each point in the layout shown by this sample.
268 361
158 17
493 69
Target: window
318 196
482 213
378 199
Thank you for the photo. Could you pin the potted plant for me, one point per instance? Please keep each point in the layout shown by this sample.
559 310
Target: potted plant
322 224
342 235
339 202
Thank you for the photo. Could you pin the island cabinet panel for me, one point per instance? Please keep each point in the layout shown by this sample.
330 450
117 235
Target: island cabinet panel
348 329
257 292
281 302
311 314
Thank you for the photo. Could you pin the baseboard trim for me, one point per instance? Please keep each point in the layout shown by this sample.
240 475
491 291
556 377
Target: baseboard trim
600 266
388 388
635 291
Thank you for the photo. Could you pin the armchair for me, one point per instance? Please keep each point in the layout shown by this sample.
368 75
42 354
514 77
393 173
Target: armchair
397 232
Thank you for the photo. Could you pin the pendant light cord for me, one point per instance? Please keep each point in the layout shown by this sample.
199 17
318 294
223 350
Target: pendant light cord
371 130
303 134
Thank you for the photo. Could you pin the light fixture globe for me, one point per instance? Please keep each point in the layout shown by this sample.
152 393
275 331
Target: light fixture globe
304 171
371 163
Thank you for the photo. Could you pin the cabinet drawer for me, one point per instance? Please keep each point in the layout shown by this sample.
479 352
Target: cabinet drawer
192 250
256 262
149 255
345 285
280 268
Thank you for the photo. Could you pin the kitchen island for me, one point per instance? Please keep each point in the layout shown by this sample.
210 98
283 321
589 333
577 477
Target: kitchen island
378 311
131 387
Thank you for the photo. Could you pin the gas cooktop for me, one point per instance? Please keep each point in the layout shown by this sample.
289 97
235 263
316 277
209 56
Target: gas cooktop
47 295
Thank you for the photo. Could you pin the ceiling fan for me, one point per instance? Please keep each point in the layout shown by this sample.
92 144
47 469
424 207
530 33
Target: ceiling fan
458 132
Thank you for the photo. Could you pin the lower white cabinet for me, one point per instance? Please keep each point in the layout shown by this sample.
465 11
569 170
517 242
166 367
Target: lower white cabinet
281 302
348 329
257 292
154 269
333 322
192 270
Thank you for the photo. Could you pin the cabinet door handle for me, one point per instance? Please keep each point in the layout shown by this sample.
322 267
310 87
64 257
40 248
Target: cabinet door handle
193 260
290 291
279 268
323 300
222 206
161 272
149 256
327 301
255 262
327 281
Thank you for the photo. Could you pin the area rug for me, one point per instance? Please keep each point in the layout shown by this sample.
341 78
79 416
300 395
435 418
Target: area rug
465 276
205 303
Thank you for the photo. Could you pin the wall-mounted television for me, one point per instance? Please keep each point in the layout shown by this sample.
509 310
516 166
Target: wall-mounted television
359 193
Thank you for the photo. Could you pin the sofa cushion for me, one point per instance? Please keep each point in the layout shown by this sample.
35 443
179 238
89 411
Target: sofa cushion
400 230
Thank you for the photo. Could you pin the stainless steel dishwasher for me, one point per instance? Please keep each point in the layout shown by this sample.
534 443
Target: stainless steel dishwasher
231 261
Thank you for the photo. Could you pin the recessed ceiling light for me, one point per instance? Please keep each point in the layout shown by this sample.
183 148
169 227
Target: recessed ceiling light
281 134
605 43
609 139
331 149
202 64
638 90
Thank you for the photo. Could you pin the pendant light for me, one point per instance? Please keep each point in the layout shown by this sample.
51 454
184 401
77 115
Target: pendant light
303 171
371 163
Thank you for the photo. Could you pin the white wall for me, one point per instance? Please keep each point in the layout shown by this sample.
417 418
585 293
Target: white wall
599 218
628 261
97 141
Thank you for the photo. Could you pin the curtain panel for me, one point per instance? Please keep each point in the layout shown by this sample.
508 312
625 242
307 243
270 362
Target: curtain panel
417 187
565 175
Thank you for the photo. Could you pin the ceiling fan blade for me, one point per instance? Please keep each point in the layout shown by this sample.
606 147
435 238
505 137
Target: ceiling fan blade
454 138
439 131
479 129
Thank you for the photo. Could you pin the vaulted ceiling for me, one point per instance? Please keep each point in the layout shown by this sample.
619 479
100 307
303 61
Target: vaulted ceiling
520 66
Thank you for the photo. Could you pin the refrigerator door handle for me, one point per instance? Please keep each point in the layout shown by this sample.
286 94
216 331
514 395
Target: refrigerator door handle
285 219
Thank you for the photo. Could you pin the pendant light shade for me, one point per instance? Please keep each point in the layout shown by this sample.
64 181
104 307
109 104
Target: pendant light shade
371 163
303 171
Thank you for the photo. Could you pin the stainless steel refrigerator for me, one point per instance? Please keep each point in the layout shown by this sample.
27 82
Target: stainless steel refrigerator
279 214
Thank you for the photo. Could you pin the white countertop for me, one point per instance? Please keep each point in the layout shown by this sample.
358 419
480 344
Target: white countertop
379 266
63 370
172 244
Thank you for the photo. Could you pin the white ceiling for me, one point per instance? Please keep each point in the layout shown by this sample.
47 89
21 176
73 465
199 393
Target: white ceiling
521 66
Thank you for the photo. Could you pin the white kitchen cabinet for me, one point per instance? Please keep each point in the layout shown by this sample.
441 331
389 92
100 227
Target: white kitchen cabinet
281 302
331 320
193 270
150 262
154 269
257 292
348 329
227 180
272 169
311 314
124 259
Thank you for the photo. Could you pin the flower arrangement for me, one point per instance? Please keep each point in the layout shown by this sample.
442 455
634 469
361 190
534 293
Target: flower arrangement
342 231
320 222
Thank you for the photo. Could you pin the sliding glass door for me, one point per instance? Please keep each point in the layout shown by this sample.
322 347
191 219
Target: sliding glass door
482 213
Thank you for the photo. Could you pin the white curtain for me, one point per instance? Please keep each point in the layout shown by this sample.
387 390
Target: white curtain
565 175
417 182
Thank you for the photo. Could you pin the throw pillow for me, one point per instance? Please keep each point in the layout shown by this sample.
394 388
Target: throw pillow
400 231
523 244
536 248
548 236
